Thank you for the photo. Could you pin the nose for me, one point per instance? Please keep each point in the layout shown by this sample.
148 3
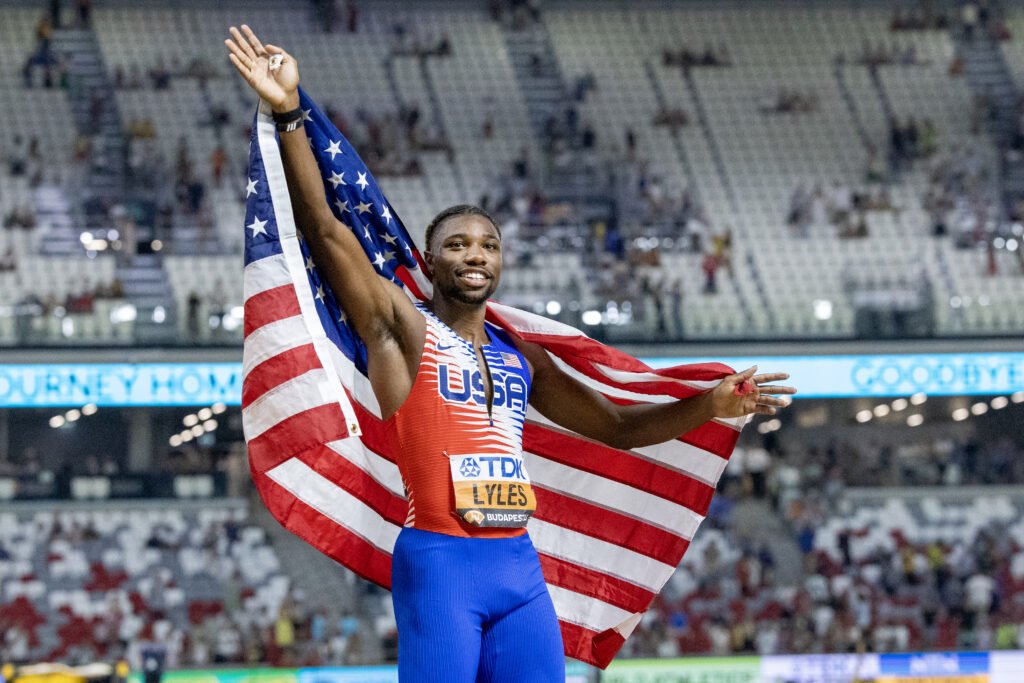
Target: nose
475 255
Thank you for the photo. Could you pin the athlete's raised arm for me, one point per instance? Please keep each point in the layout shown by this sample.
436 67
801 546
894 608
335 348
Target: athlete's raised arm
573 405
379 311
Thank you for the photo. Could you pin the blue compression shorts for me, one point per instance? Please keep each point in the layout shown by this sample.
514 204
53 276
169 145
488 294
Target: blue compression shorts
473 609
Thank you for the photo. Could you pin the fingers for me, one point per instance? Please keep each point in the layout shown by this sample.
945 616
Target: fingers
275 50
744 376
239 55
770 377
774 389
243 43
242 69
763 410
253 40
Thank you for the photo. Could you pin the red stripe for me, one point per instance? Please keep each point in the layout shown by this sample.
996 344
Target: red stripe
336 541
595 584
608 525
334 467
617 465
277 370
376 435
297 433
269 306
714 437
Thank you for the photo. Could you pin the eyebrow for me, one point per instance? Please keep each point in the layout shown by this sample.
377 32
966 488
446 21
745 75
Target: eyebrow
462 235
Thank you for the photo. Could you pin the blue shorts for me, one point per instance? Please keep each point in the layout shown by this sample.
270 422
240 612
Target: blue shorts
473 609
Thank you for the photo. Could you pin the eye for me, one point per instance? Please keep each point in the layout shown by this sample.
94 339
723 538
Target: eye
493 246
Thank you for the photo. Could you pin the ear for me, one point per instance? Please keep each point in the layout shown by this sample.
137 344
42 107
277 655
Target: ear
428 261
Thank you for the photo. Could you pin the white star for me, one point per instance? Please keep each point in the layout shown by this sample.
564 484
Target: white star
342 206
366 232
379 260
334 149
305 115
386 214
320 292
363 207
257 226
309 263
342 318
336 179
389 238
362 182
388 255
250 189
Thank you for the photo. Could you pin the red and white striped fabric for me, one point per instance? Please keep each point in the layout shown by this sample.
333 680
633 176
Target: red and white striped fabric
611 525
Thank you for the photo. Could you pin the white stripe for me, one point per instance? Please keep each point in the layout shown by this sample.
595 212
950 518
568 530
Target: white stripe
606 389
627 376
273 339
380 469
583 550
356 382
675 455
278 186
586 611
612 495
267 273
531 323
336 503
297 395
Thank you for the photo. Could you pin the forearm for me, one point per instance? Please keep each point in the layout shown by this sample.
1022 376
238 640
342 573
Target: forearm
305 186
651 423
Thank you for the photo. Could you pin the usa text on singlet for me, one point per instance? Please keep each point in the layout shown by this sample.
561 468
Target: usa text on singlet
461 464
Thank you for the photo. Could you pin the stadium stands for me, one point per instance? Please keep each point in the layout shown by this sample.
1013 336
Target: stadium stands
79 583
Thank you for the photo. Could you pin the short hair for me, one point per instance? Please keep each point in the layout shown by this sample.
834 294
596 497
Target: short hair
455 212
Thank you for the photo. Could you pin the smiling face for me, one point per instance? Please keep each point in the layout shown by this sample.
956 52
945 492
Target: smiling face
464 258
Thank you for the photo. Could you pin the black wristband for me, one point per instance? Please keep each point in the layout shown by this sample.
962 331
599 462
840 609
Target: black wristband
288 120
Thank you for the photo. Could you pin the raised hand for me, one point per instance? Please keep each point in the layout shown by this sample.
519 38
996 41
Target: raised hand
743 393
269 70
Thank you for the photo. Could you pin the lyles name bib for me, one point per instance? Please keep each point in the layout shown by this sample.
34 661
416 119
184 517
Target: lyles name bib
492 490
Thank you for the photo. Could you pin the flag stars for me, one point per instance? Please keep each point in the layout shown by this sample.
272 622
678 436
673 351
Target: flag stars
305 115
366 232
320 293
362 207
386 214
309 263
389 255
334 149
250 189
390 239
337 179
362 182
342 318
379 260
257 226
342 206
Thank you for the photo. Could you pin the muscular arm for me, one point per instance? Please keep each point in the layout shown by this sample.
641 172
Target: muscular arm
378 311
571 404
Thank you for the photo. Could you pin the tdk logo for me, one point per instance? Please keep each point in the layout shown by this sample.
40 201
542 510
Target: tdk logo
469 468
509 388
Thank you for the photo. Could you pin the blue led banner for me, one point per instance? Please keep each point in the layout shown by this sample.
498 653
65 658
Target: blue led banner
120 384
943 374
195 384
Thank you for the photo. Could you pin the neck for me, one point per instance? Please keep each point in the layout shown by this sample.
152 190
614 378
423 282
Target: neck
467 320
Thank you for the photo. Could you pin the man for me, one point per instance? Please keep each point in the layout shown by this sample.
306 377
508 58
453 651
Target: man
470 599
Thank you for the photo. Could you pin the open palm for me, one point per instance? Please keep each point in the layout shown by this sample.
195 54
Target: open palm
253 60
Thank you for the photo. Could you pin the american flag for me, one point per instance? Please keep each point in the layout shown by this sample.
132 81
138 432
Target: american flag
611 525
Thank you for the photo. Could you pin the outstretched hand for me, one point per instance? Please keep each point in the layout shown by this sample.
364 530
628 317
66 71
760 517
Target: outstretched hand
745 393
276 82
